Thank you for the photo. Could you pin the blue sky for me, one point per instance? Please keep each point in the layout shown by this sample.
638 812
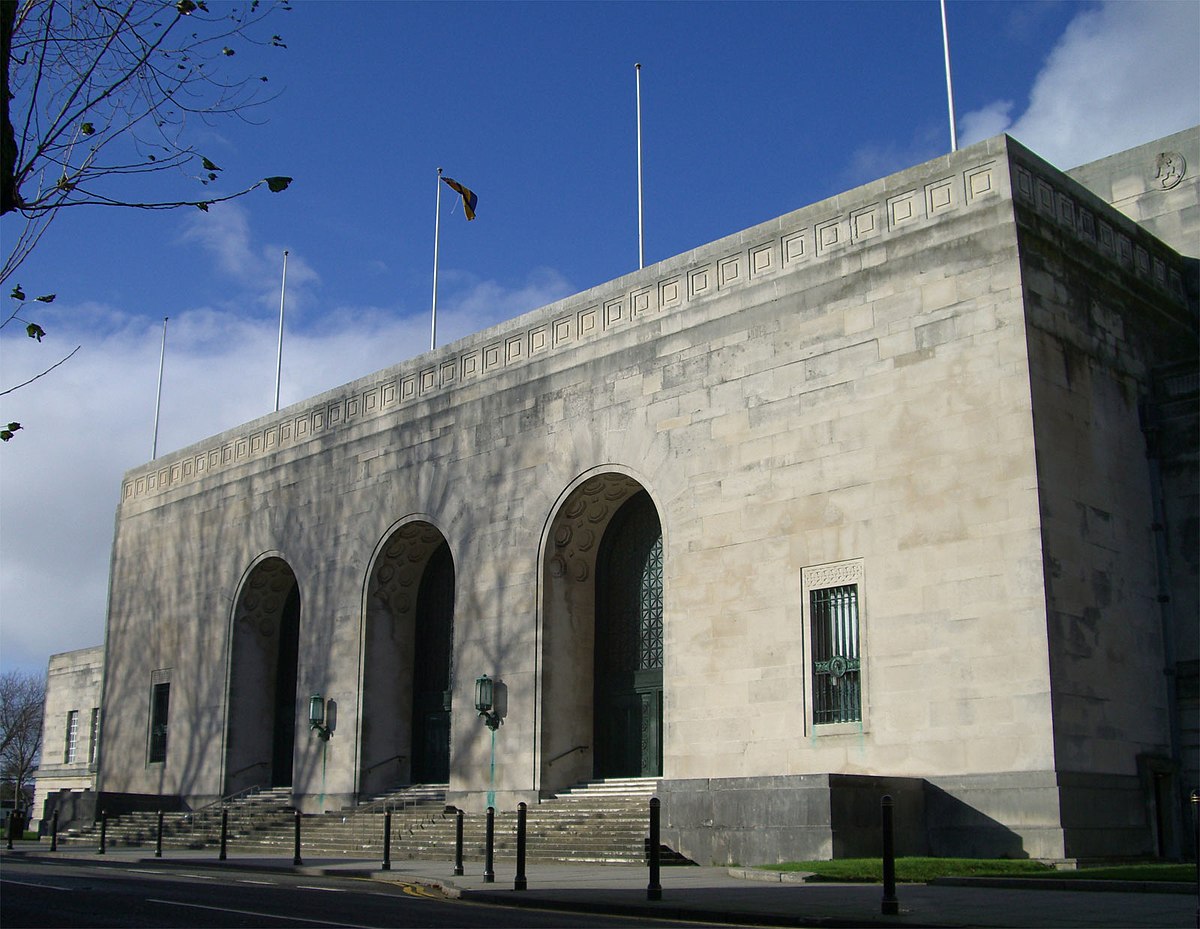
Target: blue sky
749 110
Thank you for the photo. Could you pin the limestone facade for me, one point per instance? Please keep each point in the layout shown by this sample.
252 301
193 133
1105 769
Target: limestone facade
912 414
70 727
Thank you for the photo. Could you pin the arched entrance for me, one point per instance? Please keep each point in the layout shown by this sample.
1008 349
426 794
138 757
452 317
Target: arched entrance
262 680
601 668
408 661
627 721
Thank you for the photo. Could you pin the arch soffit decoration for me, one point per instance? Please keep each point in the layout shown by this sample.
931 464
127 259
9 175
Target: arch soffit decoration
579 516
262 590
394 571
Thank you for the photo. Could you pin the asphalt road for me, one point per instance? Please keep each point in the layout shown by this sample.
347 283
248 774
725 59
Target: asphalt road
84 895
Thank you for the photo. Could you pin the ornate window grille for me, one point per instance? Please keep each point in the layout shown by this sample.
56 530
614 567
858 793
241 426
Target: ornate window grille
160 703
837 690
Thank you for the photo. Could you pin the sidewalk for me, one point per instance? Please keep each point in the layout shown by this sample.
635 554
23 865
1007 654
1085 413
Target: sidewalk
723 895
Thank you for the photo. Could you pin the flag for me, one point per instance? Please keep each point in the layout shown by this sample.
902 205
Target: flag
468 197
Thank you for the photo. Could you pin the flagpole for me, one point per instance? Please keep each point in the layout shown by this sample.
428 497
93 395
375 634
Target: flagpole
641 248
279 350
162 354
437 216
949 85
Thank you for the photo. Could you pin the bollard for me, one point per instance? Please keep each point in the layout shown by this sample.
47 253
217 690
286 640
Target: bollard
54 832
103 831
1196 846
889 906
12 825
387 840
654 888
458 827
158 840
296 860
519 882
224 833
489 874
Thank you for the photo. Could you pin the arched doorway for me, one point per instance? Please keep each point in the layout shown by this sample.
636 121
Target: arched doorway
601 668
627 720
262 680
408 661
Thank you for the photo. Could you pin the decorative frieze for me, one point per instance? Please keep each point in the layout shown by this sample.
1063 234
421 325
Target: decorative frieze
785 252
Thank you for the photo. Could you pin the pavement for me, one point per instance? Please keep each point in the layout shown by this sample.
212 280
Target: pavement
728 895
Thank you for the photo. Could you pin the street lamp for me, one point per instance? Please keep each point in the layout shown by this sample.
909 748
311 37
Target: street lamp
485 701
316 716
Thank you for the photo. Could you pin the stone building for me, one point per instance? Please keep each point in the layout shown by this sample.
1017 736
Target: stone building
66 772
894 493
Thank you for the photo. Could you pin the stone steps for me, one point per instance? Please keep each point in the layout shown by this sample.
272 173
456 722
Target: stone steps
599 822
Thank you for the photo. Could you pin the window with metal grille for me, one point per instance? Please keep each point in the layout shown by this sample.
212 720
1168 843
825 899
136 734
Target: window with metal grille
72 737
93 734
837 692
160 702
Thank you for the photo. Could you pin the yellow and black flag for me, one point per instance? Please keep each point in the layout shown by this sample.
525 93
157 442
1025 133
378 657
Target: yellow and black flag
468 197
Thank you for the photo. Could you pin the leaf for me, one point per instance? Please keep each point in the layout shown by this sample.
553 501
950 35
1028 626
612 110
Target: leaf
277 184
7 432
17 293
185 7
87 129
277 41
46 298
208 165
227 51
34 331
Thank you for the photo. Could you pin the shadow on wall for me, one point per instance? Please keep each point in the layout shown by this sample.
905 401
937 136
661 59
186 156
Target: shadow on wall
958 830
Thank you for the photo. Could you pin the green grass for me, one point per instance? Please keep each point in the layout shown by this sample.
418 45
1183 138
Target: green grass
922 870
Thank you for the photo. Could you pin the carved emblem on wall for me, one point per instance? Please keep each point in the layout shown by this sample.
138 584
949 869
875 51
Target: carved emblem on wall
1171 167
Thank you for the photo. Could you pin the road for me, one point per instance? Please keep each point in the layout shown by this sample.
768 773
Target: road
72 894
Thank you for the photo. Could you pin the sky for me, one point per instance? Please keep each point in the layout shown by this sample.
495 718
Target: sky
749 111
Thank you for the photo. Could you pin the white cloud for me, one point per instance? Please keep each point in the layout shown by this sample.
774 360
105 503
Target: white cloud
93 418
1122 74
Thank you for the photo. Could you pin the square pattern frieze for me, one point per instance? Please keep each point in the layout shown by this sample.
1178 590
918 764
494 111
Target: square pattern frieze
939 197
795 247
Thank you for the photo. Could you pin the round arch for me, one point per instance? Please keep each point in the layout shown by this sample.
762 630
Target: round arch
594 717
263 669
407 659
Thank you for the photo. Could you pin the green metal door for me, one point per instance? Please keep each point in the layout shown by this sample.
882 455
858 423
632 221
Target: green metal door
629 644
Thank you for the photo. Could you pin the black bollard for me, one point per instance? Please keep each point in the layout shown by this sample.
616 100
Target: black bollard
387 840
489 873
519 882
103 832
54 832
12 826
224 833
890 906
1196 848
458 827
158 841
654 888
296 860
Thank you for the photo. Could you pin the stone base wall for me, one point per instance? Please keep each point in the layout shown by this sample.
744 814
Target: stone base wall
765 820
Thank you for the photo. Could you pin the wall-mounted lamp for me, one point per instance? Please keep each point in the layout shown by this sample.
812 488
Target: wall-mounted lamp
316 716
485 690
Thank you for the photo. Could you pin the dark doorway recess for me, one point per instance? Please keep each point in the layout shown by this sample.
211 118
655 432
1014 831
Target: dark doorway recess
431 670
628 703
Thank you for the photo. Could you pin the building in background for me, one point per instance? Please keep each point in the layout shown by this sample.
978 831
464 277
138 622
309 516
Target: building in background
66 774
894 493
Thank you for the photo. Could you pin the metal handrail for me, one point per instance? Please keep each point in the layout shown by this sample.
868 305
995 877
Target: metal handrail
562 755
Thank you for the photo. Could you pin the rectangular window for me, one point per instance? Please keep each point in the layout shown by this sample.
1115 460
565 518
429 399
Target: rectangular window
835 642
160 703
93 734
837 696
72 737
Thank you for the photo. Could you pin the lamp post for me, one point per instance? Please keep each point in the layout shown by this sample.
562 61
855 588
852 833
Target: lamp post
485 704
